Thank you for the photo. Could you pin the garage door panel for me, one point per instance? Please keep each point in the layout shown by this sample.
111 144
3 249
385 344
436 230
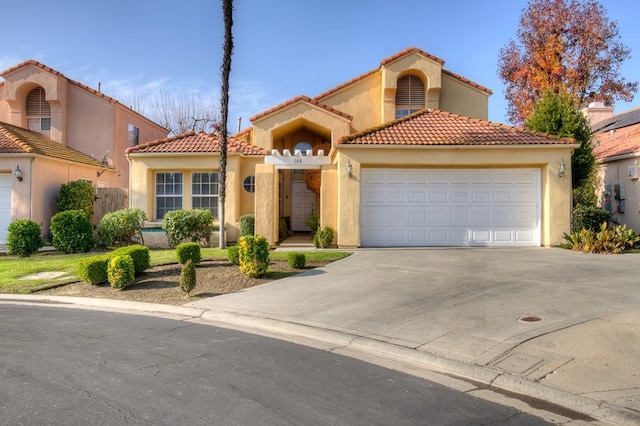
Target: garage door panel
450 207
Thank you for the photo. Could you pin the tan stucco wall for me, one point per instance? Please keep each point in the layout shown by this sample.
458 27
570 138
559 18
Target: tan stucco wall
460 98
35 196
555 191
266 207
237 203
617 172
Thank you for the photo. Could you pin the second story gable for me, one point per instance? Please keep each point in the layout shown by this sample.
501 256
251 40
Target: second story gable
36 97
404 83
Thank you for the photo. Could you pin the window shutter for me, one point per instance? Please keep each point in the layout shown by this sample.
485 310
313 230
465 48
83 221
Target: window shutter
410 92
37 105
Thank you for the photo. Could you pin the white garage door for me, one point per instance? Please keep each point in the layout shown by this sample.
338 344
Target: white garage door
5 206
450 207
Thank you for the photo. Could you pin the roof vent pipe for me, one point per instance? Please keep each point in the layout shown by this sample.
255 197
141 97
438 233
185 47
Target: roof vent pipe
239 123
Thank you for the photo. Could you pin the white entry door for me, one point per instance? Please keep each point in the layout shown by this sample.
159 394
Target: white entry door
303 202
5 206
450 207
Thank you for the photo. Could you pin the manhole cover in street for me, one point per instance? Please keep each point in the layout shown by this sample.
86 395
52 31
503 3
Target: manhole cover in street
528 319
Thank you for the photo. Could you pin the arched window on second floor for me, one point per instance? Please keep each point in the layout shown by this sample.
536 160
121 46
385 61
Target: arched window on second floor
38 111
409 95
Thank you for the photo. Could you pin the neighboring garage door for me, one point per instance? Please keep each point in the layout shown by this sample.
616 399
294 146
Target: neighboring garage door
450 207
5 206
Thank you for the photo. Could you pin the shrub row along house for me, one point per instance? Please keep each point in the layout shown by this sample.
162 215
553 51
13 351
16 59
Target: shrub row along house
402 155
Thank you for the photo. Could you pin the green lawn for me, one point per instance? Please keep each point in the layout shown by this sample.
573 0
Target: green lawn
13 269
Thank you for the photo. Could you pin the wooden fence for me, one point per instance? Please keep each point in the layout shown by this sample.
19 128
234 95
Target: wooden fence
109 200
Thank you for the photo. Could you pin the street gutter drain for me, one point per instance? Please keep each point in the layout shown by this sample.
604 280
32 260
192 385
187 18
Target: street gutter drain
528 319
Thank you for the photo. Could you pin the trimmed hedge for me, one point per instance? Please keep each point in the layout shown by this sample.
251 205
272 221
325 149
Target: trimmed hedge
139 254
76 195
247 225
296 260
120 271
93 270
188 225
233 254
253 255
24 237
588 217
188 277
72 232
121 227
188 251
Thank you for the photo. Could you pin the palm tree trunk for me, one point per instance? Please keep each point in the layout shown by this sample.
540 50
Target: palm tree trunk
227 13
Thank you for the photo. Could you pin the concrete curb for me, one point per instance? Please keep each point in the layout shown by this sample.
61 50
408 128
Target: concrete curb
491 378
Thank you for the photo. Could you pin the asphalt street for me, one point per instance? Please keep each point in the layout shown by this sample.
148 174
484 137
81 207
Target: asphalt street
67 366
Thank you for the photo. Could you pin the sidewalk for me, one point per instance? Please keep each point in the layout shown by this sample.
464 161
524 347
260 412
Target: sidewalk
548 323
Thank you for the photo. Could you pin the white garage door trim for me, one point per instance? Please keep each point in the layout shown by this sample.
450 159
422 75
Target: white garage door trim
5 205
450 207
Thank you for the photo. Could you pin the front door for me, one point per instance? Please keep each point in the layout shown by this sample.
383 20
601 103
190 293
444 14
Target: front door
303 202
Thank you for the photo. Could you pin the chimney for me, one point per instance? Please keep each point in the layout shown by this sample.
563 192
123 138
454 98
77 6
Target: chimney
597 112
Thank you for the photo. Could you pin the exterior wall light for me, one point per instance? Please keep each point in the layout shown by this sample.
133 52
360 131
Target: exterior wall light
349 169
18 173
562 168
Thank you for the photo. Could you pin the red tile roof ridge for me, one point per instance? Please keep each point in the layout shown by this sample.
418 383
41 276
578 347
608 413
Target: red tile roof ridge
425 112
159 141
411 50
233 144
304 99
467 81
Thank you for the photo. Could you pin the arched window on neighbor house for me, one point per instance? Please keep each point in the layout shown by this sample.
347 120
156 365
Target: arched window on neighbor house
409 95
38 111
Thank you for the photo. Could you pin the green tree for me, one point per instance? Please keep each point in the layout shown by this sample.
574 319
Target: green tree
565 45
557 114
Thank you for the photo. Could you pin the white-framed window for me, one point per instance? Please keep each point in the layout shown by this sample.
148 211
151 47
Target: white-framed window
38 111
249 184
168 192
410 95
134 135
204 191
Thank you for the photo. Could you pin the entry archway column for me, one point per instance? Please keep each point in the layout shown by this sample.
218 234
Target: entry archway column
266 203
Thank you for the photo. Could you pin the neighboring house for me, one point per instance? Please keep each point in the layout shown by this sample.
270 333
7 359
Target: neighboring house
617 151
381 163
55 130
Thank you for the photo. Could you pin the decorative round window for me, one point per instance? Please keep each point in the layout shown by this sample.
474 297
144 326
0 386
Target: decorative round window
303 147
249 184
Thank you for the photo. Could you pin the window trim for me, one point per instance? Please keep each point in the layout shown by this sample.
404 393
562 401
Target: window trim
165 195
214 208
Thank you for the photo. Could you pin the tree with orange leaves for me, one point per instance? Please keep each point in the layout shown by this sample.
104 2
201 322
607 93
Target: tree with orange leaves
567 46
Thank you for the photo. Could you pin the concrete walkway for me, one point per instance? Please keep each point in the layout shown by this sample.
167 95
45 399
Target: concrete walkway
560 326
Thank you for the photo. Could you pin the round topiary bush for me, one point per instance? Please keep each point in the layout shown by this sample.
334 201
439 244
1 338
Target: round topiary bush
233 254
253 255
24 237
188 251
72 232
120 271
296 260
121 227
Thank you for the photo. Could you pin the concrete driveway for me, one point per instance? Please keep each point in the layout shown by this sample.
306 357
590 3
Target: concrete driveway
564 319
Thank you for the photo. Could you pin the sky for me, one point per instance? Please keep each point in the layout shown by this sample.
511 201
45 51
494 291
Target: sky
282 48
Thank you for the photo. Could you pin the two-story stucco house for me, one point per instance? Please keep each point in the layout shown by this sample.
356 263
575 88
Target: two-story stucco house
402 155
54 130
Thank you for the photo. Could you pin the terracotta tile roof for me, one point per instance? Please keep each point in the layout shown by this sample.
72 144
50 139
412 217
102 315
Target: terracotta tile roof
411 50
70 81
17 140
196 142
298 99
614 143
440 128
